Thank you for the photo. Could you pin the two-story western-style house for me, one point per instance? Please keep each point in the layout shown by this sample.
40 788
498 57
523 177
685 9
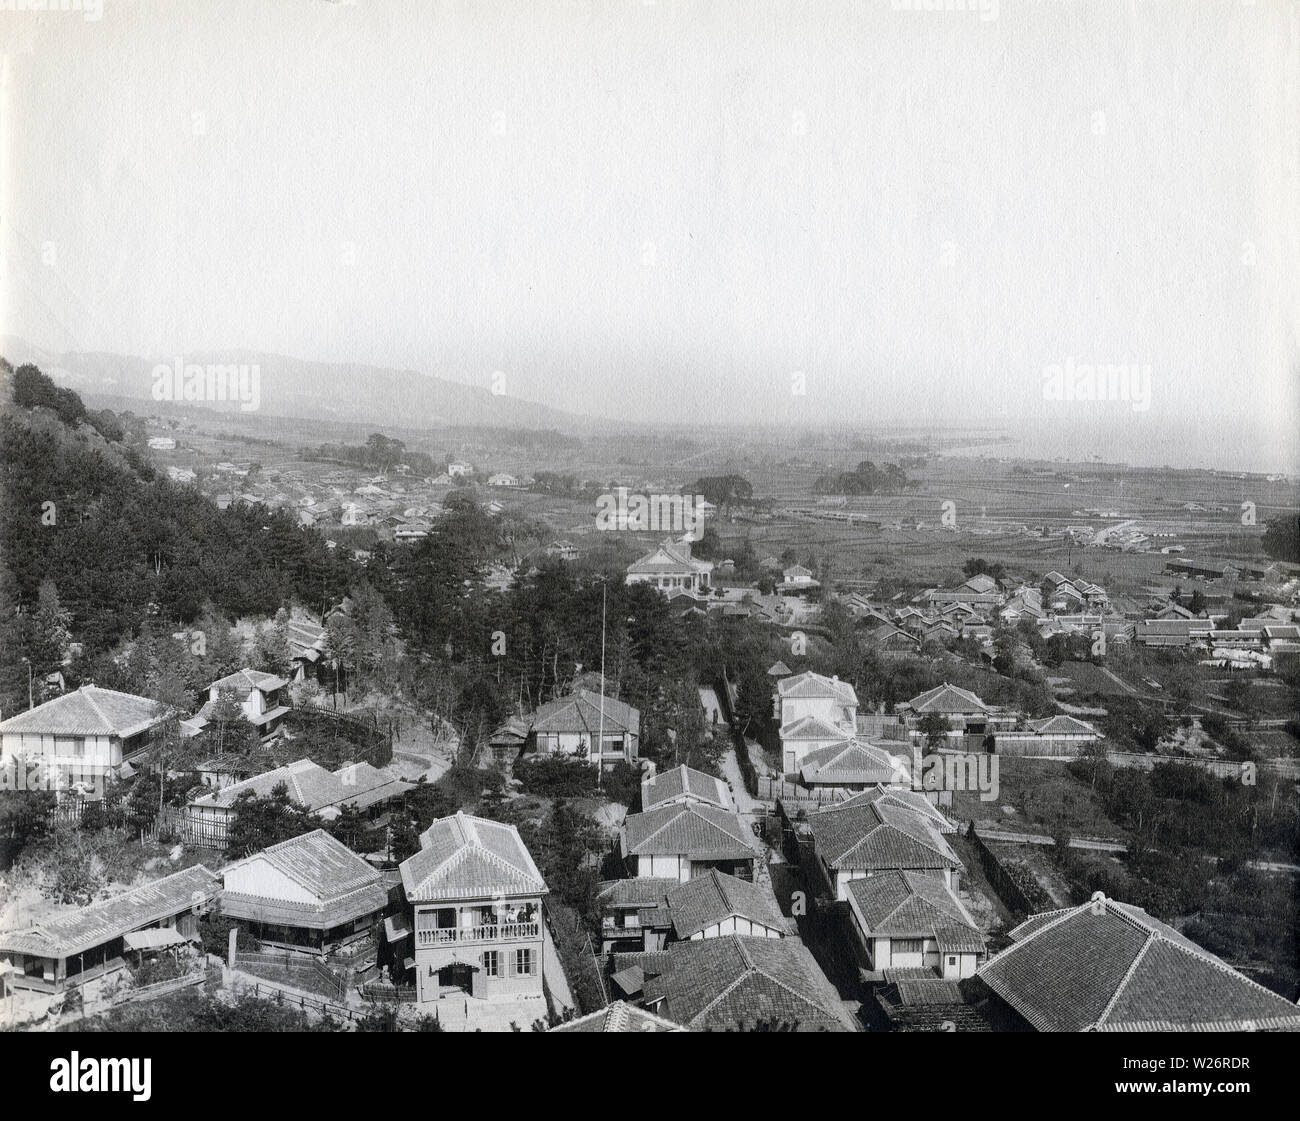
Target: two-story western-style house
574 725
813 712
476 894
79 739
678 841
671 568
263 699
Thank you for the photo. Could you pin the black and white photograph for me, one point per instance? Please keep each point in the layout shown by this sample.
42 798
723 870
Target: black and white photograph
675 516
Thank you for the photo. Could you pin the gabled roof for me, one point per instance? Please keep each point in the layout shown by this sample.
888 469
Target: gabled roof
642 894
1062 726
947 698
307 640
340 884
464 857
1108 966
733 983
909 905
620 1016
684 782
669 557
715 897
108 919
246 680
687 829
908 799
887 631
810 728
308 783
814 685
852 762
581 712
879 836
90 711
981 583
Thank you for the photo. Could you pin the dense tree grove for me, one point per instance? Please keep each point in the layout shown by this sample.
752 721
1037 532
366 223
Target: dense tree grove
865 478
119 547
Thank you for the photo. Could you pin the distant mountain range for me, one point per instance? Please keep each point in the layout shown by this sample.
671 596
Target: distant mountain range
293 387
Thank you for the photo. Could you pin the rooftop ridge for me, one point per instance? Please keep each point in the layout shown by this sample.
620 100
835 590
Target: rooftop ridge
1123 981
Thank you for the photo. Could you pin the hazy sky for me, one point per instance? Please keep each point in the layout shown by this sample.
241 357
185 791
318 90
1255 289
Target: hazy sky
665 210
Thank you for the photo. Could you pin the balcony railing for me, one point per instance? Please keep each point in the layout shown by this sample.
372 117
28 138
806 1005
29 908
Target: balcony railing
491 932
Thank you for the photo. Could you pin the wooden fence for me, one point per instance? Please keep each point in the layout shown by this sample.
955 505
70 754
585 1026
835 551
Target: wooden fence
381 992
296 1000
296 967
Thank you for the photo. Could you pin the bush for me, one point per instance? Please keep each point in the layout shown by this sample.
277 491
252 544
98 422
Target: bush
557 776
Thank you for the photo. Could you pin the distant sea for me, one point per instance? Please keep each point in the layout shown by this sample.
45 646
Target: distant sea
1270 445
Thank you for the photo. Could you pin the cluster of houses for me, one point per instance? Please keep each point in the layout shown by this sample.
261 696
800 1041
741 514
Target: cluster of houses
1254 643
693 934
829 747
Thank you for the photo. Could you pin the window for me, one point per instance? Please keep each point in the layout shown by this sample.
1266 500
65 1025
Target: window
492 963
952 959
524 963
906 945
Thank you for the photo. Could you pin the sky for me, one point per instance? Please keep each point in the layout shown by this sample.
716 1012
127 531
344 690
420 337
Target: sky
786 212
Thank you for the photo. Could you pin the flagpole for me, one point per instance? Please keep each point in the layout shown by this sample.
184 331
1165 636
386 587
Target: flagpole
600 747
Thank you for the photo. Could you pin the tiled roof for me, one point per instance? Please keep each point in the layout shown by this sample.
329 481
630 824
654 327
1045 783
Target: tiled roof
684 782
733 983
1062 725
810 728
343 887
464 857
911 905
669 557
688 829
711 898
312 786
877 837
853 762
306 640
111 918
947 698
912 800
581 712
642 894
620 1016
89 711
811 685
246 680
1108 966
